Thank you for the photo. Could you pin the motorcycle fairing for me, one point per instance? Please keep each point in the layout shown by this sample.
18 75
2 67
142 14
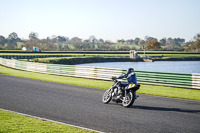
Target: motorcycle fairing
135 88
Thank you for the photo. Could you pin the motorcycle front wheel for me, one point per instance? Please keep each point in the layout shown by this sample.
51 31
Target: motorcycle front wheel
129 99
107 96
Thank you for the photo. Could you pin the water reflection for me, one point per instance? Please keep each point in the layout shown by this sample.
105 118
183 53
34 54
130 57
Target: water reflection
160 66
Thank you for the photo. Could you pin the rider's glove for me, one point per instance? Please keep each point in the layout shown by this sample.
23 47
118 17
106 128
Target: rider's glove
113 77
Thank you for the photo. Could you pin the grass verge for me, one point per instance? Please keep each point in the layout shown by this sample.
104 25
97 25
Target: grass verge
145 89
16 123
11 122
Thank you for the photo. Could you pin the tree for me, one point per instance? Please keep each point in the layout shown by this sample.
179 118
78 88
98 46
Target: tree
108 42
2 41
13 36
45 45
33 36
76 40
12 40
92 38
178 40
29 44
150 38
170 40
125 48
197 42
121 41
61 39
141 43
86 41
163 41
130 41
101 41
136 41
52 39
152 45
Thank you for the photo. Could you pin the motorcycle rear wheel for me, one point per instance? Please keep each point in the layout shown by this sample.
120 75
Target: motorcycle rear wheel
129 99
107 96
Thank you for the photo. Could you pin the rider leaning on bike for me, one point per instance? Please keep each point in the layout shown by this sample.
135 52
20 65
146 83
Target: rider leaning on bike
131 78
122 92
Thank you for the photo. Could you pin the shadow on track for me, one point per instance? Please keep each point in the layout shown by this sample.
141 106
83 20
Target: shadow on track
165 109
157 108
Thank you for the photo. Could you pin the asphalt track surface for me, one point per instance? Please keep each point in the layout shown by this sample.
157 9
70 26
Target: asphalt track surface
82 106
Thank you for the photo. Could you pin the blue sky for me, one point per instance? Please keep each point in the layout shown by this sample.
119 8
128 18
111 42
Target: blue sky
106 19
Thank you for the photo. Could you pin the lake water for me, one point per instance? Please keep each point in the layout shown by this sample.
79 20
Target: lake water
160 66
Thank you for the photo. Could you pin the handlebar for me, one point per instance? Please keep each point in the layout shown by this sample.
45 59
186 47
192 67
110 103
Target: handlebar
114 78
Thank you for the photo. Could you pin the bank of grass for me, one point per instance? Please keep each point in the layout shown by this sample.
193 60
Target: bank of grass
92 58
16 123
175 55
72 54
82 60
55 78
145 89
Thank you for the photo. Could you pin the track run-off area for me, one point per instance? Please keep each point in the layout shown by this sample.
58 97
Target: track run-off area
82 106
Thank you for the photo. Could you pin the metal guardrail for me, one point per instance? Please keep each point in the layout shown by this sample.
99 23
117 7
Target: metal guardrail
181 80
167 79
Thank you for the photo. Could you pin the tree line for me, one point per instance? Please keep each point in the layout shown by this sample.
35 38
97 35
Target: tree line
62 43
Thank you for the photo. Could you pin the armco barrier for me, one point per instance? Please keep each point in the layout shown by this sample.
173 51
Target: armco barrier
96 72
66 70
167 79
195 81
181 80
36 67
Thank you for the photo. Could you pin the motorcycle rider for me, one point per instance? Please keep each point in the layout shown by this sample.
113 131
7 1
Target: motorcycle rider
123 92
131 78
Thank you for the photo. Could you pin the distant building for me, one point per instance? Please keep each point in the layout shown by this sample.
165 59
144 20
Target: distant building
25 49
133 54
36 49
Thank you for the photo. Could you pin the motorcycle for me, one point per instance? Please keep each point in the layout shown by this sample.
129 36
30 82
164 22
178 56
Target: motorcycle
121 92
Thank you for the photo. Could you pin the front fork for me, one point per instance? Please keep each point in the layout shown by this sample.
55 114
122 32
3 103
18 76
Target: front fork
125 93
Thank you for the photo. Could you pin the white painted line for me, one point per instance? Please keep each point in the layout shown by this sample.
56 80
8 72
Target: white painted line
51 120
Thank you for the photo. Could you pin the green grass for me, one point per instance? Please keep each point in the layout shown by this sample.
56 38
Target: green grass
182 55
79 60
29 54
145 89
58 79
170 92
101 51
104 54
175 55
16 123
